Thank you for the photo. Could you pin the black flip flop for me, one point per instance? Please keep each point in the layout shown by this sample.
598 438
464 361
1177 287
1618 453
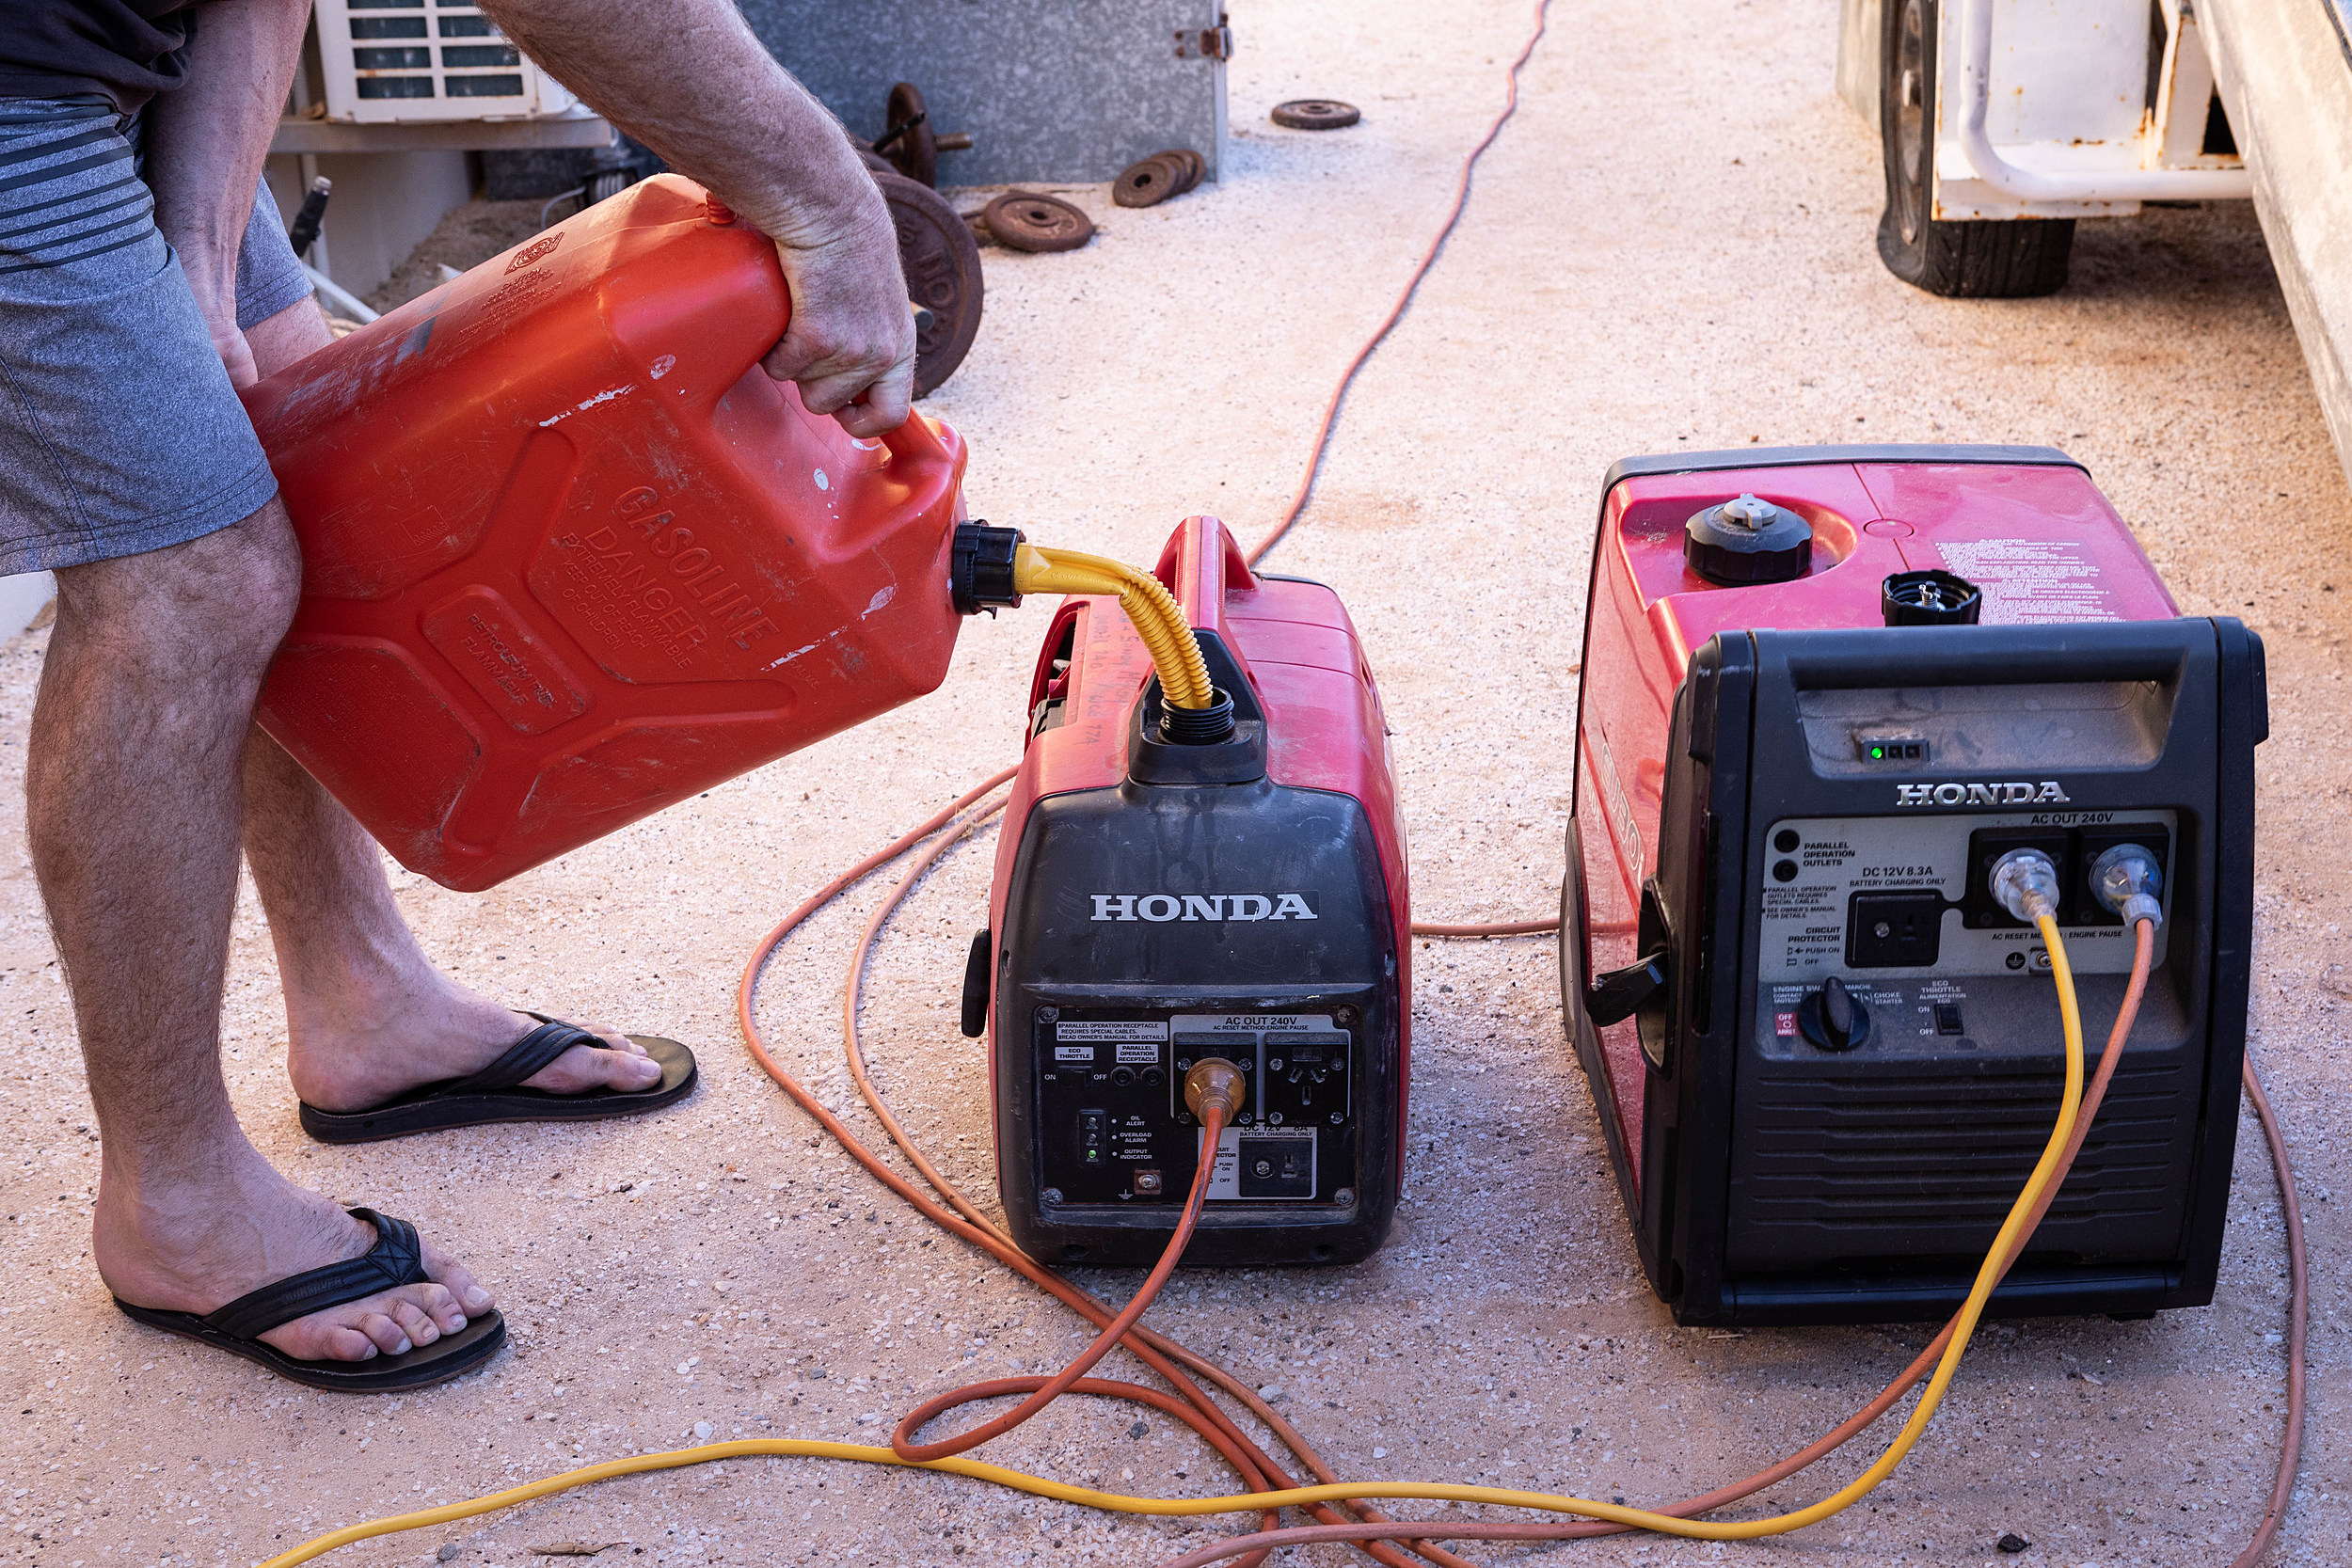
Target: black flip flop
397 1258
496 1093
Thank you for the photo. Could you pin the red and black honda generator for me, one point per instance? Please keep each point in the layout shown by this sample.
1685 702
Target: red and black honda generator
1825 691
1161 899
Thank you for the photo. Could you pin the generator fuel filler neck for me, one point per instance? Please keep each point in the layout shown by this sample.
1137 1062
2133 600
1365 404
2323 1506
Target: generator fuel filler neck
1748 541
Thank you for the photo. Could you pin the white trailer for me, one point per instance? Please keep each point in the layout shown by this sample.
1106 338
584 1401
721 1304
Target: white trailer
2285 69
2004 121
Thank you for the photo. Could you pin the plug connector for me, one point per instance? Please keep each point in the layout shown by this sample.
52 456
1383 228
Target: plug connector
2026 884
2127 880
1215 1081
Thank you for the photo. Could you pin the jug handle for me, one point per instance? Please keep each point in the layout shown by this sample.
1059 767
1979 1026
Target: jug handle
915 441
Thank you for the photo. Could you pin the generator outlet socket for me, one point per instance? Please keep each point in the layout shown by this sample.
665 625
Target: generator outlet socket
1275 1165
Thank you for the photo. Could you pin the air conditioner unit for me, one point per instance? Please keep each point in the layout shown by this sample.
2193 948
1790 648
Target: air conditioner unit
395 60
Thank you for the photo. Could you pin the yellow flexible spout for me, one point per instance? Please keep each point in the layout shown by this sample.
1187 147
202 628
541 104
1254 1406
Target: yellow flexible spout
1183 678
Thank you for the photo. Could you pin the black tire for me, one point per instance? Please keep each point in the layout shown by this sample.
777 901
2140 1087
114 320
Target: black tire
1978 259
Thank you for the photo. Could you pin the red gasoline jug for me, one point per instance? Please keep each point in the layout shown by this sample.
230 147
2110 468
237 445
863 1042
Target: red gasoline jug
570 555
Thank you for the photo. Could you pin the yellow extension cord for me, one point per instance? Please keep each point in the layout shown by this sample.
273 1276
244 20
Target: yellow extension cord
1183 678
1256 1502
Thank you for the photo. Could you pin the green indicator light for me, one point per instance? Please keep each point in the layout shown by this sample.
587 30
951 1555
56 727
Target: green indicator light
1878 754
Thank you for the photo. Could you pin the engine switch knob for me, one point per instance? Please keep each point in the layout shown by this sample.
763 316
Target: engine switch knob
1833 1018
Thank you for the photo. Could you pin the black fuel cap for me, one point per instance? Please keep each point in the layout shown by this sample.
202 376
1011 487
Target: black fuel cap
1748 541
1834 1018
1930 598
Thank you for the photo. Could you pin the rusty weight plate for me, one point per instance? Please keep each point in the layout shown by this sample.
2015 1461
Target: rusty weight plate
1148 182
1022 220
913 150
941 262
1316 114
1193 166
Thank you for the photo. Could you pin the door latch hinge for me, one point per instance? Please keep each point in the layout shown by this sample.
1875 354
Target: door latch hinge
1205 43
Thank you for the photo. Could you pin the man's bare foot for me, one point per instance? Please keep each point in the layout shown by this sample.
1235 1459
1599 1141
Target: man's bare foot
198 1244
355 1051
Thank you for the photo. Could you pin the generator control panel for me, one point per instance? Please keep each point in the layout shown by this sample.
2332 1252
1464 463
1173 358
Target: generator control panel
1879 934
1114 1128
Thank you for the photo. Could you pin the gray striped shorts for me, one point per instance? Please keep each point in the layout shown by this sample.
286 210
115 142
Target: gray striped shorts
119 432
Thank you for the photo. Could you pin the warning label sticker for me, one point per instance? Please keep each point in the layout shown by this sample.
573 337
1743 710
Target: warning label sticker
1115 1029
2026 581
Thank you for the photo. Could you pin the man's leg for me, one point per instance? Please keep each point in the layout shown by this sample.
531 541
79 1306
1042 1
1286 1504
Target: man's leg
368 1015
132 790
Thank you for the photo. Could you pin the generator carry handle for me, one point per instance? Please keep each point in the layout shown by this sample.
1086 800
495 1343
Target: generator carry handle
1880 656
1202 568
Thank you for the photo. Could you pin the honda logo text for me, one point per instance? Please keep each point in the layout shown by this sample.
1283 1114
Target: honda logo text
1162 907
2019 794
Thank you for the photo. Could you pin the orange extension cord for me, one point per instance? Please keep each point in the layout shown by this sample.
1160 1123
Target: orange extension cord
902 1441
1206 1418
1370 1530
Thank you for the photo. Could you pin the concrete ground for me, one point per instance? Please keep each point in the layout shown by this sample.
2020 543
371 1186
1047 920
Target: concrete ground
1670 248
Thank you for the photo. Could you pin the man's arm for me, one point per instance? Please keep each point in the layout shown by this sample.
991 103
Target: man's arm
687 78
205 143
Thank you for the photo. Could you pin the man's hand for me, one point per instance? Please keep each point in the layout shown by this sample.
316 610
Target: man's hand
205 143
851 342
235 352
687 78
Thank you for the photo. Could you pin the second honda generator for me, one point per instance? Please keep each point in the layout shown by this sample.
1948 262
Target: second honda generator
1825 692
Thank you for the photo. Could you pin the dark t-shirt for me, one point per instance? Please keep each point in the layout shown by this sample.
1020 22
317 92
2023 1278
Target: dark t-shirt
127 51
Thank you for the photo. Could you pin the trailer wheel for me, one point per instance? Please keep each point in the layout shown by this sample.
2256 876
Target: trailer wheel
1977 259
